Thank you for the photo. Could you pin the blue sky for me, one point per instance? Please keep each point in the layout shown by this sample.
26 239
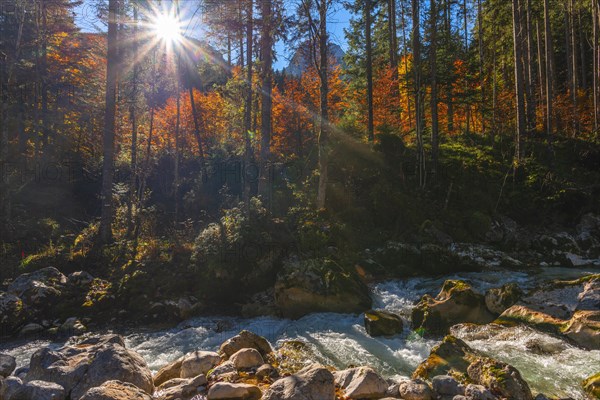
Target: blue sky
87 19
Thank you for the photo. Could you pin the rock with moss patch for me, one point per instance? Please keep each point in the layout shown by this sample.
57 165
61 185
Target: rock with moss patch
319 285
13 313
501 378
311 383
456 303
499 299
451 357
382 323
565 308
198 363
591 386
40 288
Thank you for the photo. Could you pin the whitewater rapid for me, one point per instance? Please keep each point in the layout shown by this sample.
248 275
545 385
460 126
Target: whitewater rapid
340 340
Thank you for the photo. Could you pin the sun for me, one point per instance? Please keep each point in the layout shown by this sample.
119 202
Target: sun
167 27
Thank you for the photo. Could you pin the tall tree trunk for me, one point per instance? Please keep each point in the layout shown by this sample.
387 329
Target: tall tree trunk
266 77
481 60
406 74
529 66
106 218
44 77
248 96
133 118
519 79
416 47
393 56
596 62
324 106
434 87
369 51
574 63
582 50
449 87
549 47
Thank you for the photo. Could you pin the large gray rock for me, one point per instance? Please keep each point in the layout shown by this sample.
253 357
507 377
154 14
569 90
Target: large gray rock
39 288
415 390
478 392
319 285
233 391
12 313
311 383
445 385
115 390
7 365
168 372
39 390
179 388
9 386
247 358
245 340
198 363
89 364
361 383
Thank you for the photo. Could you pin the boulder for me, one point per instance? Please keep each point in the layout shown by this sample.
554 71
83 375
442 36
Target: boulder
592 386
319 285
31 329
456 303
72 327
223 372
478 392
198 363
89 364
445 385
500 378
382 323
40 288
12 313
267 371
39 390
564 308
115 390
9 386
451 357
499 299
361 383
311 383
245 340
179 388
415 390
455 358
246 359
7 365
80 278
233 391
168 372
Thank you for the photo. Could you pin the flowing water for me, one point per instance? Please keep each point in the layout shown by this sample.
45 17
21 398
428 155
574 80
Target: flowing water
340 340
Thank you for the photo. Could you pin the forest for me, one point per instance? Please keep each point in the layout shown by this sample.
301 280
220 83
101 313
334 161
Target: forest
189 169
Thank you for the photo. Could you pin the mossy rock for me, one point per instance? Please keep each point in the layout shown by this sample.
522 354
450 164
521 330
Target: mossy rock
501 378
320 285
591 386
382 323
451 357
479 224
456 303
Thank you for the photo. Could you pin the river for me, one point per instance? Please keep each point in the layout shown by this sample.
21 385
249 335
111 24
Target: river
340 340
